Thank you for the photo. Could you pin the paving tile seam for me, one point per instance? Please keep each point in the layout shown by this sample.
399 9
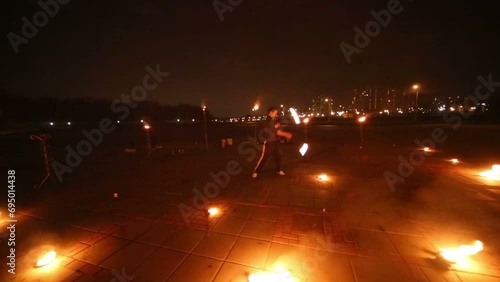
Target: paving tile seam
388 232
176 268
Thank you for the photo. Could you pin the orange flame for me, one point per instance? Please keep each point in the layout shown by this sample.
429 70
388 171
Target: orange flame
213 211
461 253
493 174
46 259
280 276
323 177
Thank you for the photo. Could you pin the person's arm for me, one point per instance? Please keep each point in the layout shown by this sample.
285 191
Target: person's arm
285 134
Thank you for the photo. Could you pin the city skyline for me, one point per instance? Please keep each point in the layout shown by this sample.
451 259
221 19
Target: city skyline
268 51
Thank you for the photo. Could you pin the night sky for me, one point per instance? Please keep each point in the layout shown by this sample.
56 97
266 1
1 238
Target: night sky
276 51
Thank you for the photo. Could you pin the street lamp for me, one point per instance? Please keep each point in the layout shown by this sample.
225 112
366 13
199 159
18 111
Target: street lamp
255 109
329 108
416 87
204 109
361 120
306 121
147 127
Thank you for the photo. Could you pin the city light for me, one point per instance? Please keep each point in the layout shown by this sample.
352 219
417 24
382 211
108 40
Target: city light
306 120
142 121
256 107
69 123
454 161
362 119
147 126
415 86
51 123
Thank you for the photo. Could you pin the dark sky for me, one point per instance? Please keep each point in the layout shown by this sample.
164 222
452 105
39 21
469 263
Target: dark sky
283 51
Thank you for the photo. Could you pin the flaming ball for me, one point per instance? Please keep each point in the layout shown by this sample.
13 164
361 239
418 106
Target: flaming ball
303 149
295 115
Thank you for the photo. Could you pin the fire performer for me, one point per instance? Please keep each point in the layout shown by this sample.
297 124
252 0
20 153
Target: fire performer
269 135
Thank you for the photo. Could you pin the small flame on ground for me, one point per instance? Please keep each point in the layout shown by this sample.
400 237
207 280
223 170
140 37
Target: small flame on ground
460 254
213 211
147 127
427 149
493 174
46 259
295 115
303 149
323 177
281 276
454 161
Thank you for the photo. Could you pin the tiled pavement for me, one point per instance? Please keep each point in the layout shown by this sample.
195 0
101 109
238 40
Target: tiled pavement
349 228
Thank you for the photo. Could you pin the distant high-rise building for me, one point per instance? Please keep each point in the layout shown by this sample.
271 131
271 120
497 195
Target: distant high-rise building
322 105
375 98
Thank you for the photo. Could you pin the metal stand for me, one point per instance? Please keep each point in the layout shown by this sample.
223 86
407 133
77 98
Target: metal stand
205 127
43 140
148 144
361 131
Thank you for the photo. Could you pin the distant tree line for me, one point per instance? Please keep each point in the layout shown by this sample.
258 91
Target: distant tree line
41 109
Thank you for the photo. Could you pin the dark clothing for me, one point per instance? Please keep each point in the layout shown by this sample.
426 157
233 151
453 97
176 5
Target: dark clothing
270 148
268 131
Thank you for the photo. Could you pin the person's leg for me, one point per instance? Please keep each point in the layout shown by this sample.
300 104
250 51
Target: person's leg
263 158
277 157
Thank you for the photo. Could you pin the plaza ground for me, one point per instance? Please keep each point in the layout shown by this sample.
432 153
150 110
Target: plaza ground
351 227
